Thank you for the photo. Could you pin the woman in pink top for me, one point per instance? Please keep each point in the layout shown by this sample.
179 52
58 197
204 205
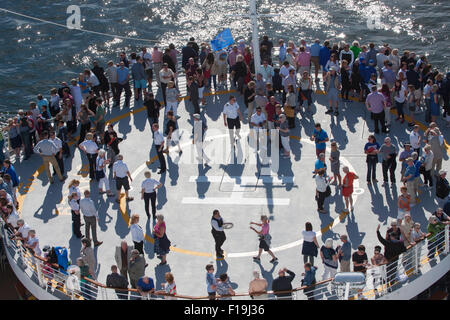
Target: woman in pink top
264 238
162 243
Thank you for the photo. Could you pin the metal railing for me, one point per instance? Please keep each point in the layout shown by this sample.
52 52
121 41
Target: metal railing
380 280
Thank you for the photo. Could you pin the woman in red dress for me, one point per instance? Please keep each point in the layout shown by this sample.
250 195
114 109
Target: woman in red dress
347 187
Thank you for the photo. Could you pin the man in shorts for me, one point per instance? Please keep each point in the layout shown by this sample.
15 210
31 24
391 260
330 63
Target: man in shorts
121 175
138 73
231 116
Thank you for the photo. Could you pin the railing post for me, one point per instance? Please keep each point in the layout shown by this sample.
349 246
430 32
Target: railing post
105 294
446 237
38 265
416 258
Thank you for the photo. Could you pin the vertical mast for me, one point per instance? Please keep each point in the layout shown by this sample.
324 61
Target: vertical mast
255 38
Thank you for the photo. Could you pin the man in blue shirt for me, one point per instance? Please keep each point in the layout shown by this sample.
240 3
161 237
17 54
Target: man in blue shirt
282 45
320 163
320 137
145 286
410 177
123 78
315 54
345 253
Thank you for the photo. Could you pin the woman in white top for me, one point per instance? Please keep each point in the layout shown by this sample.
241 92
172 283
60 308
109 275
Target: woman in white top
148 193
321 188
399 92
137 234
310 244
101 164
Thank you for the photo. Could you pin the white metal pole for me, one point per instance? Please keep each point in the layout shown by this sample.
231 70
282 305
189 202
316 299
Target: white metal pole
446 250
255 38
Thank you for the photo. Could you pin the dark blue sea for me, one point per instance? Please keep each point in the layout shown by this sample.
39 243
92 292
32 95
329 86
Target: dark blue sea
36 56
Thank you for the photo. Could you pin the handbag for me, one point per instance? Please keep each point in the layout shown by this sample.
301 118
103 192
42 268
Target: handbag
99 174
422 169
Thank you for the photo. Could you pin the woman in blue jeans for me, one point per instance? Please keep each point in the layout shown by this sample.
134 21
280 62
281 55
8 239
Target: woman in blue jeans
371 149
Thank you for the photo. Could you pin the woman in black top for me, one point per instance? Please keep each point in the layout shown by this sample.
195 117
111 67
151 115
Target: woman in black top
112 144
356 79
166 58
172 132
249 98
240 71
345 80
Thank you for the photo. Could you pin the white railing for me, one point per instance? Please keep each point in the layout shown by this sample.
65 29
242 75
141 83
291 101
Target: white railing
380 280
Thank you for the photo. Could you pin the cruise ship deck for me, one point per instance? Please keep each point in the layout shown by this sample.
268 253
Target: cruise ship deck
236 183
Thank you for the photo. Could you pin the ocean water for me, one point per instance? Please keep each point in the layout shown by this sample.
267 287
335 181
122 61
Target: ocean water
36 56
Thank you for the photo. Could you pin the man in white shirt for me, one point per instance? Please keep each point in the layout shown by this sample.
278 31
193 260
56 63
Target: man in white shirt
58 156
90 216
121 175
158 141
92 81
198 132
148 66
47 149
257 124
148 192
231 116
415 139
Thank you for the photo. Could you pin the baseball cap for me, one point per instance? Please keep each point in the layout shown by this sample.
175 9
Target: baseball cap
196 116
442 172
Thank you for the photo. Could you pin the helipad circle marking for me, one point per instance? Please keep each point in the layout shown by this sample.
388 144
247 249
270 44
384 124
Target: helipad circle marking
290 245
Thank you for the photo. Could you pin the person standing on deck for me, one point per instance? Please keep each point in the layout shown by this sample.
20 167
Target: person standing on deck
218 232
121 175
148 193
158 141
47 149
231 118
376 103
320 137
122 257
90 215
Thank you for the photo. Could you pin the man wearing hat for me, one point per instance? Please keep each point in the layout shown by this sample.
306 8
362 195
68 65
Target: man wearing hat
198 132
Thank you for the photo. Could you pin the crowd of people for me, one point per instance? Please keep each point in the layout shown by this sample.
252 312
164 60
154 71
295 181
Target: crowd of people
273 96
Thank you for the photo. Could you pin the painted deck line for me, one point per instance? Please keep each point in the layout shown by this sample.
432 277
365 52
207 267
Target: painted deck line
244 181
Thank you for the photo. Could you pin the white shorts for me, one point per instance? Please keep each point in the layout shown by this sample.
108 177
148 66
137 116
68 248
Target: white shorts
285 144
401 214
200 92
